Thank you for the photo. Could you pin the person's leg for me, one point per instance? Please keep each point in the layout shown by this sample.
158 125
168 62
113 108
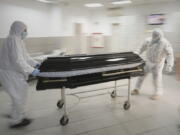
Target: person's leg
19 100
18 111
16 87
18 115
157 81
140 81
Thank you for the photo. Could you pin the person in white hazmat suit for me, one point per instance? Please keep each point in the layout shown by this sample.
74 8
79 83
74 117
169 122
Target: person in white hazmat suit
15 67
158 50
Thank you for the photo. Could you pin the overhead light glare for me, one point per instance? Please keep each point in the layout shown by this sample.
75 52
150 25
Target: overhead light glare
121 2
93 5
48 1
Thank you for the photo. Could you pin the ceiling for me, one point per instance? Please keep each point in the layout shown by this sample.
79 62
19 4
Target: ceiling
107 2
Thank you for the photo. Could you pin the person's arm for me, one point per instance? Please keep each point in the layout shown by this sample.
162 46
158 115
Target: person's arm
143 48
16 55
29 59
170 56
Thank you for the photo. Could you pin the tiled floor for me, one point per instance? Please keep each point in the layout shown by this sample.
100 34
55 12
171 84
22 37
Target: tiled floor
100 115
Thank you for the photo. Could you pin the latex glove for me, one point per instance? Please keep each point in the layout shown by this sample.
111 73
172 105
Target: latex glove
168 68
35 72
38 65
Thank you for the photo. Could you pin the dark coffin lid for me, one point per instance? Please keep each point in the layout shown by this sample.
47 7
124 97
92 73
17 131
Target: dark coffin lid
79 62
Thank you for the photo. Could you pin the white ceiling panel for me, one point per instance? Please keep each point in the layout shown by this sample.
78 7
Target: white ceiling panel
107 3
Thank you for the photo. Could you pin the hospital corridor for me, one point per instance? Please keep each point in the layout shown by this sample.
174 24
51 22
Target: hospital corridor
90 67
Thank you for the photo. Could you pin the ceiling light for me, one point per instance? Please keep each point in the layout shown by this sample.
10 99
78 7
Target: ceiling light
48 1
93 5
44 1
121 2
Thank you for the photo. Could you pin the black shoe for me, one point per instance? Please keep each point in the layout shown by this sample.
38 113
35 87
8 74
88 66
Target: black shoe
23 123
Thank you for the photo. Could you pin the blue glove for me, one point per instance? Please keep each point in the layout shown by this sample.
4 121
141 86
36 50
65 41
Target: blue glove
38 65
35 72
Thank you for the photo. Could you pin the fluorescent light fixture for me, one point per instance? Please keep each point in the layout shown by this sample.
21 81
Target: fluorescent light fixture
120 2
92 5
44 1
48 1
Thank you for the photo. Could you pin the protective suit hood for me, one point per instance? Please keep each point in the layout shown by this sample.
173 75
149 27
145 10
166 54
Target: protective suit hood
17 29
13 53
157 35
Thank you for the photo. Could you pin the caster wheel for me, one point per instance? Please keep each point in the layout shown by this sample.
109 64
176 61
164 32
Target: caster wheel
60 104
127 105
113 94
64 120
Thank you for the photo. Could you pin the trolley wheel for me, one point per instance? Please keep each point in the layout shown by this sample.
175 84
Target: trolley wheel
64 120
60 104
127 105
113 94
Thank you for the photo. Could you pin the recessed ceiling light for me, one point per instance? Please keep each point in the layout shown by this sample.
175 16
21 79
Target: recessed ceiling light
48 1
121 2
93 5
44 1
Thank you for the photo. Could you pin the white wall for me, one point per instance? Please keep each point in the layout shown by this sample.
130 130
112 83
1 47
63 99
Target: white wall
54 21
45 20
73 15
42 20
133 25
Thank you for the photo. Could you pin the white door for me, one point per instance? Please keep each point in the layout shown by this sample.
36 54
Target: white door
115 38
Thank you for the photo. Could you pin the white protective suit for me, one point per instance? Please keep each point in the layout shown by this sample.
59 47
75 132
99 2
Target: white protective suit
15 67
158 49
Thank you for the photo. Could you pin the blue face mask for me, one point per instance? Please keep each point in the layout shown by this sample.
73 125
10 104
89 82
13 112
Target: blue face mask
24 35
155 40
